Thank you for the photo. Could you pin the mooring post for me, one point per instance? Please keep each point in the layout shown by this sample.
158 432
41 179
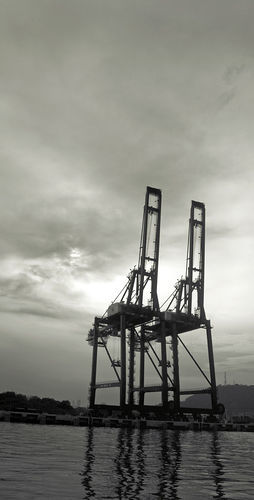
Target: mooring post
94 365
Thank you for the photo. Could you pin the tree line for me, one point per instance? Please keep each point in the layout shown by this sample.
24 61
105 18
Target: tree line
11 401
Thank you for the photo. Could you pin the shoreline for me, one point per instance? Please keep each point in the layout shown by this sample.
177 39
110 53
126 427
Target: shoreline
137 423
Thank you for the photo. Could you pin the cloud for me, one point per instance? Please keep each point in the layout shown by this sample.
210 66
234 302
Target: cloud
97 101
233 72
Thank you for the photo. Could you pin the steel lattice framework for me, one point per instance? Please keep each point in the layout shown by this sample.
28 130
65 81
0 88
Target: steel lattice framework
136 318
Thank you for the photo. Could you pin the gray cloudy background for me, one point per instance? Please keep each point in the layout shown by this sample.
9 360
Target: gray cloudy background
98 99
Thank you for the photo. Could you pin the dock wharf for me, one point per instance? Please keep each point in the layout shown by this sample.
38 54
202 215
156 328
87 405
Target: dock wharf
137 423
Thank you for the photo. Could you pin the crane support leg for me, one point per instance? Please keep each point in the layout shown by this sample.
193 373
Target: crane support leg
176 369
94 365
211 365
164 373
131 368
123 362
142 369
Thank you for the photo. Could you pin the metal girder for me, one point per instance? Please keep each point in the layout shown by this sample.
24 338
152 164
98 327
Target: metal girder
196 391
104 385
151 388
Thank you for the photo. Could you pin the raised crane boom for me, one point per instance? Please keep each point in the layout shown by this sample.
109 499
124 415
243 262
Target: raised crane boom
147 271
188 297
141 289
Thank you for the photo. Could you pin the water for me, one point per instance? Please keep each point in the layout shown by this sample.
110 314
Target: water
50 462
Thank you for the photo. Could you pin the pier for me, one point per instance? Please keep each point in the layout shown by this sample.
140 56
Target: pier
137 423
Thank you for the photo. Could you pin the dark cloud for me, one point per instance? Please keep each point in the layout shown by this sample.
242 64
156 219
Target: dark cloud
226 97
22 296
233 72
52 226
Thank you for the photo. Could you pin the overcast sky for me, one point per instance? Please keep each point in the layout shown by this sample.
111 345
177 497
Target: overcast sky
98 99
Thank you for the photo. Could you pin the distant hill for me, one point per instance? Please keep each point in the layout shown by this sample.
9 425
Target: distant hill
236 398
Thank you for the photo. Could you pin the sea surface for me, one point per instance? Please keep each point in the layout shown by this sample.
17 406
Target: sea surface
58 462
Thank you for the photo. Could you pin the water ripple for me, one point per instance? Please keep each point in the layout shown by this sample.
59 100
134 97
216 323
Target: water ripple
52 462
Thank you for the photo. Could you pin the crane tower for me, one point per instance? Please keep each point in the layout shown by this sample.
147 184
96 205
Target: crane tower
141 325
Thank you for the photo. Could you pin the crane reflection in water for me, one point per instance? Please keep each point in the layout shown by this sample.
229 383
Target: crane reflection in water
146 464
218 472
165 464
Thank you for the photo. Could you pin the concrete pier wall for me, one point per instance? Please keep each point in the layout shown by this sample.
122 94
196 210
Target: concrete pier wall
139 423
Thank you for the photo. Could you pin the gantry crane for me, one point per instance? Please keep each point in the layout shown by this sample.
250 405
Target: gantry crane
185 310
130 312
138 321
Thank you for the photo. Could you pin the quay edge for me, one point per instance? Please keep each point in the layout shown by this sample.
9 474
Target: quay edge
137 423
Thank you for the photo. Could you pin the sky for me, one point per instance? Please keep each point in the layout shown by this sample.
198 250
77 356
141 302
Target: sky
99 99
